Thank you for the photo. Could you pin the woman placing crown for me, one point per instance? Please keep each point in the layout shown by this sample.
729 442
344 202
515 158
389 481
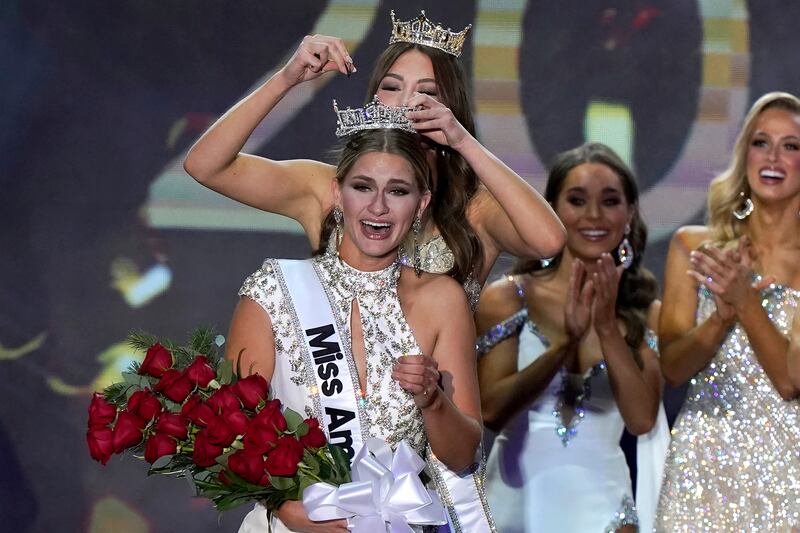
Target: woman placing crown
341 336
469 224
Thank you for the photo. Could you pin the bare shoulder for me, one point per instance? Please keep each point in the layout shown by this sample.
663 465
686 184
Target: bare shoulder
688 238
440 290
499 300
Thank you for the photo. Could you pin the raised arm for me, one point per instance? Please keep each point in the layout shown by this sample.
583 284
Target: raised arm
445 384
299 189
509 215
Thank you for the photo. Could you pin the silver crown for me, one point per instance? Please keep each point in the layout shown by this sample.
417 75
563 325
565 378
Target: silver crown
422 31
373 116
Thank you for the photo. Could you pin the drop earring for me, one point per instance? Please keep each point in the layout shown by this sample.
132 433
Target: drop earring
625 250
335 240
746 208
416 228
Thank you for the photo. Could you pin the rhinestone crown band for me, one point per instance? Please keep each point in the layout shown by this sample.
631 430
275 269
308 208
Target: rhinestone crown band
422 31
373 116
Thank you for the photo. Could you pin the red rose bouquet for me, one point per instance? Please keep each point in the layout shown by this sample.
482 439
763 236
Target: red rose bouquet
185 411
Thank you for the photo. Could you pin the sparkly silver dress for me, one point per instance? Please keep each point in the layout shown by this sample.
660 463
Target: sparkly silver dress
734 460
385 410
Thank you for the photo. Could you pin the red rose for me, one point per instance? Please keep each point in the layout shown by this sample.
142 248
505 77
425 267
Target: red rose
128 430
199 413
249 466
156 361
259 439
200 372
283 460
174 385
251 390
101 443
222 399
205 453
271 416
100 411
174 425
223 429
159 445
315 438
145 404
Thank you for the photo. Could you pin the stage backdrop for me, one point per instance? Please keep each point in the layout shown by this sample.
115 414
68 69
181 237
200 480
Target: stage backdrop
102 232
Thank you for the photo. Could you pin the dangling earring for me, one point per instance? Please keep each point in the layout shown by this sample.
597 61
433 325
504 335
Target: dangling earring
746 209
625 250
416 228
335 240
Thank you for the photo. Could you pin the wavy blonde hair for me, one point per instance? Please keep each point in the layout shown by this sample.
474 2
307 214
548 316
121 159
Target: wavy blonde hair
724 192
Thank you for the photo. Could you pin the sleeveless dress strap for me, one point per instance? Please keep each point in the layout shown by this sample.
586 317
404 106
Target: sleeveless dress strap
508 327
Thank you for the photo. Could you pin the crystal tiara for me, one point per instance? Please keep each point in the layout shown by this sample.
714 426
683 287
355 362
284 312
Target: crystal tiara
422 31
373 116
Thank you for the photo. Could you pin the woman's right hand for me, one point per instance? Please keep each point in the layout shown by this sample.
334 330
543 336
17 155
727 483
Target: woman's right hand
316 55
578 311
294 516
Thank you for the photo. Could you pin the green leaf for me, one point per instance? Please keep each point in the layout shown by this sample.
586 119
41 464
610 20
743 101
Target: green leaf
282 483
162 461
225 372
293 420
135 379
311 461
305 482
302 430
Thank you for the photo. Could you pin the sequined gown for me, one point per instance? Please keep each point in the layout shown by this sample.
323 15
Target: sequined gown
545 475
734 460
385 410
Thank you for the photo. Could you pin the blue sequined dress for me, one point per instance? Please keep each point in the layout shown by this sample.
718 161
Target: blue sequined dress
734 460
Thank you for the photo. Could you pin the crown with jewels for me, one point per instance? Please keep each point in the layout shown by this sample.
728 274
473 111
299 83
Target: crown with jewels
373 116
422 31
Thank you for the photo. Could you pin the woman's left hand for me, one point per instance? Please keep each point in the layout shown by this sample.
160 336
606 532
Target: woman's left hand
727 274
419 375
606 284
434 120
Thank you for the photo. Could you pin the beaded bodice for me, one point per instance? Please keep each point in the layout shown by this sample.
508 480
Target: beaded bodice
385 410
437 258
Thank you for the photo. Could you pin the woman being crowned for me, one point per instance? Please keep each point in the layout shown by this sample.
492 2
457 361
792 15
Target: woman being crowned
367 346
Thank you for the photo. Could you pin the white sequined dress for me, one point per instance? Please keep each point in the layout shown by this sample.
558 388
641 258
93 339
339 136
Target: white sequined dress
734 460
386 411
545 474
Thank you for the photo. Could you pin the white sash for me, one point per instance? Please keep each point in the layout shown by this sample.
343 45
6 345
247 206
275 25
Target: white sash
335 393
336 381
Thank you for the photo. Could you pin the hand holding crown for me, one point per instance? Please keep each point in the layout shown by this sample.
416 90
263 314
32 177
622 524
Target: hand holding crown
434 120
316 55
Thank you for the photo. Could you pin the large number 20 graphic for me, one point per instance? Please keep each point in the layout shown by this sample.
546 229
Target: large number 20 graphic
679 71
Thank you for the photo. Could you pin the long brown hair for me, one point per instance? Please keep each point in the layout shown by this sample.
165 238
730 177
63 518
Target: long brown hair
457 182
638 287
387 141
724 192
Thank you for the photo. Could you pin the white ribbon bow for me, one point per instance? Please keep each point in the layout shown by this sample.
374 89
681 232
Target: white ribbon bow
386 493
